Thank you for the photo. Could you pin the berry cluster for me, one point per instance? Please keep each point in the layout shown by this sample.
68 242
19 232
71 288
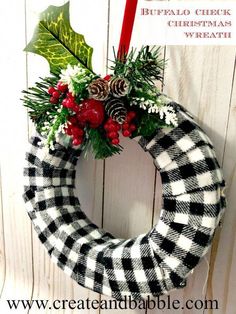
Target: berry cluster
69 102
128 127
112 128
57 92
75 130
89 113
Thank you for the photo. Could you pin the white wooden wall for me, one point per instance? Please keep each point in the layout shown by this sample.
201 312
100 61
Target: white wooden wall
123 193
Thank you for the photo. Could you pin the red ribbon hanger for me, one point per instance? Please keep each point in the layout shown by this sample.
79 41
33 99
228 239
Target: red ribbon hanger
127 28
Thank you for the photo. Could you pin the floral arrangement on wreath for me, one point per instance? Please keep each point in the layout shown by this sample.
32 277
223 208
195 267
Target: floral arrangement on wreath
93 111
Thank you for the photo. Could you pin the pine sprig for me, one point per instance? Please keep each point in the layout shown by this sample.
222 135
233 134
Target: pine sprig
148 124
151 94
81 91
59 120
36 99
141 68
100 145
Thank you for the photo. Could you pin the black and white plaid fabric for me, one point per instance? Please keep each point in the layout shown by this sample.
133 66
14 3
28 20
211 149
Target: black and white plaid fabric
150 264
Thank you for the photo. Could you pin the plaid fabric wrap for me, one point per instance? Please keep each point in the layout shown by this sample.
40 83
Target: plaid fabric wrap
150 264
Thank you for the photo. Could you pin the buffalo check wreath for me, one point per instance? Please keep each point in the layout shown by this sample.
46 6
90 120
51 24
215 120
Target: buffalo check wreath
75 110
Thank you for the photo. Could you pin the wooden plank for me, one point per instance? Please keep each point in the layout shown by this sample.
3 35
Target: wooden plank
222 277
200 79
49 281
191 73
129 183
17 229
230 302
2 245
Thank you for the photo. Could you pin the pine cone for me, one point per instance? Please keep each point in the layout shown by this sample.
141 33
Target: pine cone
99 89
115 109
119 87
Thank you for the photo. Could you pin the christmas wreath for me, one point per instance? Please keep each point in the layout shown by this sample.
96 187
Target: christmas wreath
74 110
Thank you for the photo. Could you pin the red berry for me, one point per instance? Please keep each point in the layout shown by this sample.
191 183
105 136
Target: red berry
56 94
118 127
72 119
126 133
110 120
132 127
69 103
112 135
106 126
68 131
66 103
115 141
77 131
131 114
69 95
77 141
75 107
112 127
62 87
54 100
125 126
107 77
51 90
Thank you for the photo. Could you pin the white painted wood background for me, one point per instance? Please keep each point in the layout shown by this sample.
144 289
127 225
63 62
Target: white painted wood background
123 193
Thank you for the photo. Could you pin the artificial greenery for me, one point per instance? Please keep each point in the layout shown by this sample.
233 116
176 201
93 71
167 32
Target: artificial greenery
148 124
99 145
59 120
36 99
140 68
141 93
80 87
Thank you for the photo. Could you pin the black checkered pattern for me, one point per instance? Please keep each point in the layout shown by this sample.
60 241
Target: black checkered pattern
150 264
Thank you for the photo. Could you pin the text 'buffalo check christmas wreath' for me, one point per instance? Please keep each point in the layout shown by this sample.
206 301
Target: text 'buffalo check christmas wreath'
75 110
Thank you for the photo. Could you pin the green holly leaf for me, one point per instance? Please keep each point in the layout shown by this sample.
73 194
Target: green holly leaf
55 40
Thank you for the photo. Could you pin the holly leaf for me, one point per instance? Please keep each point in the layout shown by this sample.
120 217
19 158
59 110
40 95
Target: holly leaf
55 40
